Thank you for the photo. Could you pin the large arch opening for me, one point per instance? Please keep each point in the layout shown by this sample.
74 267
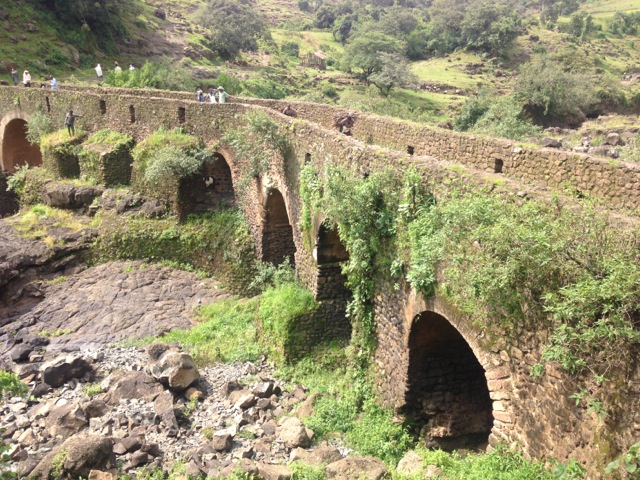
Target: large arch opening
16 149
277 233
330 253
211 189
447 393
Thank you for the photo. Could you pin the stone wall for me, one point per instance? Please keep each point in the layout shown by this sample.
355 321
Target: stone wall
616 181
537 415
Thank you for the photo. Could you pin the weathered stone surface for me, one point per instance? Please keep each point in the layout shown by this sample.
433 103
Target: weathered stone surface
293 433
85 453
410 464
64 368
66 420
349 468
222 441
163 406
134 385
274 472
175 369
100 475
551 143
321 455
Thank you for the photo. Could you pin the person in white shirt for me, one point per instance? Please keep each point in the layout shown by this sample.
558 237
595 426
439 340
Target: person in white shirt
117 68
222 95
99 72
53 82
26 78
131 67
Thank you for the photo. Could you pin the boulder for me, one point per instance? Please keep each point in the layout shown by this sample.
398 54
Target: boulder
161 14
21 352
614 140
163 406
86 453
66 421
293 433
551 143
365 468
222 441
76 457
305 409
100 475
177 370
322 455
62 369
134 385
274 472
410 464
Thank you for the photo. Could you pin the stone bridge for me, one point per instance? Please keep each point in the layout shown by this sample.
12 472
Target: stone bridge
429 359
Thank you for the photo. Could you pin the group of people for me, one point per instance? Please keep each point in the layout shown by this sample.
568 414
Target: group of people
52 82
214 96
116 68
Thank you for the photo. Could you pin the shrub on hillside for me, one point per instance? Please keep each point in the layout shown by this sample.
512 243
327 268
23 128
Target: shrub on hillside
38 125
505 118
162 75
552 96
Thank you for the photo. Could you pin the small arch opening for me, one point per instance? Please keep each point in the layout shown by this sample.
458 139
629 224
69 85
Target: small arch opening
410 150
497 167
132 114
182 114
16 149
307 158
211 189
330 253
447 393
48 104
329 246
103 107
277 233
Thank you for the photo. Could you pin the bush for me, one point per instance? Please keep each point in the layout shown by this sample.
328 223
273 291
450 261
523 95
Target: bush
162 75
472 110
329 90
174 163
505 118
11 385
265 88
291 48
38 125
175 140
550 94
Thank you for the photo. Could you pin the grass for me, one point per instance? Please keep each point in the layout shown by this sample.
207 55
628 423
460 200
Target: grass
38 222
449 70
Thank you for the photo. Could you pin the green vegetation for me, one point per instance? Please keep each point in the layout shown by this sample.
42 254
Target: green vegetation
11 385
102 142
42 222
162 74
232 26
38 125
216 242
92 389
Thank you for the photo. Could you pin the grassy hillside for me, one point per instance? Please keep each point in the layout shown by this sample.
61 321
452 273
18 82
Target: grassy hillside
33 38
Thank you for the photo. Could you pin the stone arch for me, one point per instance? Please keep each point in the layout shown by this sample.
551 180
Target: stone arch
15 149
330 253
211 189
329 247
277 233
447 393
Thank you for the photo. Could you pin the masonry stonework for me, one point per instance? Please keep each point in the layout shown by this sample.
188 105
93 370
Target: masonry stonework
535 415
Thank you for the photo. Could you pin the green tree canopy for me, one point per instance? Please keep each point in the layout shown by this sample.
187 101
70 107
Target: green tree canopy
364 48
233 26
394 72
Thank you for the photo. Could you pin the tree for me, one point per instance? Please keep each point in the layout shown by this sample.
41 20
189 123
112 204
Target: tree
549 94
364 48
233 26
490 26
343 26
394 72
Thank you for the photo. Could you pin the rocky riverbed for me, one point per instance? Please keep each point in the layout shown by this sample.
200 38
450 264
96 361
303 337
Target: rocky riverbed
95 410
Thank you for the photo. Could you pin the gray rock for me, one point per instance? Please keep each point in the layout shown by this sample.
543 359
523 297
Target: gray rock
293 433
85 453
222 441
614 140
349 468
175 369
318 456
64 368
551 143
163 406
134 385
274 472
66 421
410 464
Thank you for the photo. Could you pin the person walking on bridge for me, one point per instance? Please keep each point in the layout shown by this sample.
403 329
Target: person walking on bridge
222 95
26 78
70 121
14 76
99 72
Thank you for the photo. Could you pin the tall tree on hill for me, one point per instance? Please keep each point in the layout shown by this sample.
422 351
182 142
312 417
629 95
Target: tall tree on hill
233 26
364 48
